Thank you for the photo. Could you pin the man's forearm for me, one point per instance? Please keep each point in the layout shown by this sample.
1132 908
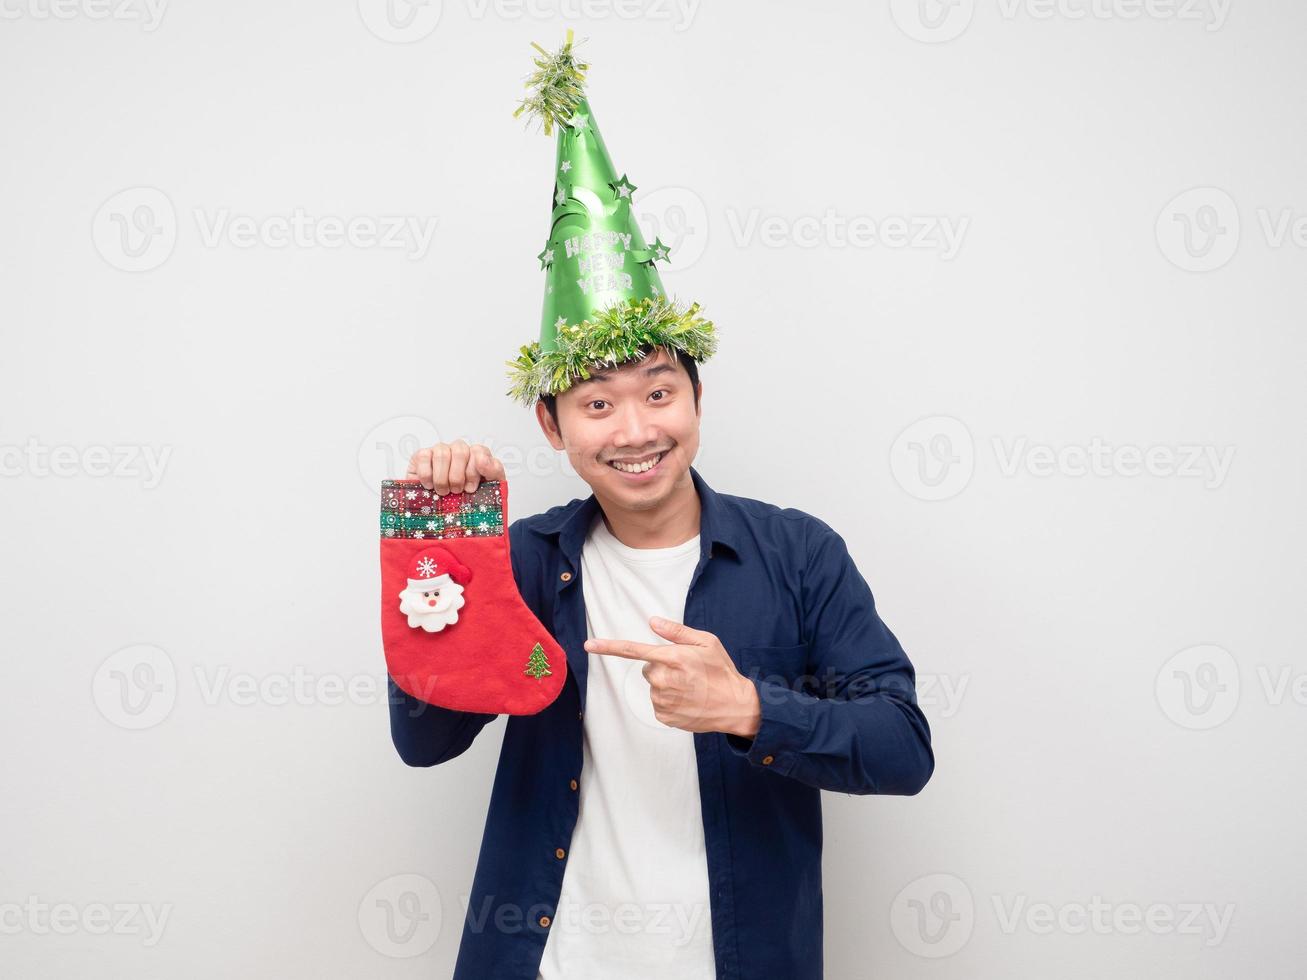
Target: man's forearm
876 743
427 735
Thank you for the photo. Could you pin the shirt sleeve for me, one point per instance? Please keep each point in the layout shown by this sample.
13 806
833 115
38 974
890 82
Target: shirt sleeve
426 734
861 731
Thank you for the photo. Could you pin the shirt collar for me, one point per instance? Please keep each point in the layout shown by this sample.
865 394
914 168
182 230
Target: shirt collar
718 523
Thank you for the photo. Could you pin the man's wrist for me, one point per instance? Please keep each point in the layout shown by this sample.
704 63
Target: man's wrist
750 719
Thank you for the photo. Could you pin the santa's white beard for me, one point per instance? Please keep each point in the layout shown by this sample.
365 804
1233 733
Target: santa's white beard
435 618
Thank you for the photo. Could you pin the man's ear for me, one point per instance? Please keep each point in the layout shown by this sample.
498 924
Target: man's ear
698 402
547 426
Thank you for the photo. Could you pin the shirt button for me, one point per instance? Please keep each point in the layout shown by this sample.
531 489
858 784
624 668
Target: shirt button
767 760
559 853
573 784
566 576
544 921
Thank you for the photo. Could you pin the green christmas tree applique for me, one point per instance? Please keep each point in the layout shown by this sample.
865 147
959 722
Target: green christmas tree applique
538 664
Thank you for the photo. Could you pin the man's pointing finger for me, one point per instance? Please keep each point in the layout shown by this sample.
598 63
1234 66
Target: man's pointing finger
654 653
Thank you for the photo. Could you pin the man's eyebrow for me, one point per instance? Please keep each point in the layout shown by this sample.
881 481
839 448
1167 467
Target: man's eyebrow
649 372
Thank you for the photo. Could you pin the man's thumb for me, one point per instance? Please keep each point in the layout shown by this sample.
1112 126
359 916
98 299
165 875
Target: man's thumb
676 632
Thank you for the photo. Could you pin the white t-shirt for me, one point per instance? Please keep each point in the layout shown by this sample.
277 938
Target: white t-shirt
635 899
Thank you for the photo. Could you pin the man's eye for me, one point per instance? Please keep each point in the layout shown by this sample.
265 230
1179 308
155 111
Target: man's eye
660 391
597 401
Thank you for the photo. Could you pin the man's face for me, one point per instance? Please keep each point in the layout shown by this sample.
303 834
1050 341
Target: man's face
641 412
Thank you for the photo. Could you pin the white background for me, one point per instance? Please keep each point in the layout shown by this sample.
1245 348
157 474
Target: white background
1108 648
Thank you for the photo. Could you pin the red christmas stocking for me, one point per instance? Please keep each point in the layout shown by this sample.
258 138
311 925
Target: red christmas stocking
455 630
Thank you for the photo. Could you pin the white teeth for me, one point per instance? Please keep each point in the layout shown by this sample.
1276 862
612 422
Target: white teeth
638 467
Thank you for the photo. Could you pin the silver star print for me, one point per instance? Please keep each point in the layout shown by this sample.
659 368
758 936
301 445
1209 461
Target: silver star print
561 196
567 165
561 322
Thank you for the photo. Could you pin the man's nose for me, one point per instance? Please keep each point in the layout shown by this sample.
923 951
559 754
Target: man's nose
635 427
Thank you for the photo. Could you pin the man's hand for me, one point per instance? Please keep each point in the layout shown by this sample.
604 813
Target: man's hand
693 683
453 467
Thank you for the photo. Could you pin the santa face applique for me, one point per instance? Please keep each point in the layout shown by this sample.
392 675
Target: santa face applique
435 590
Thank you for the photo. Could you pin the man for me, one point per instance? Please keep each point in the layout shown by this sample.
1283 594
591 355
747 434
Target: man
661 818
678 837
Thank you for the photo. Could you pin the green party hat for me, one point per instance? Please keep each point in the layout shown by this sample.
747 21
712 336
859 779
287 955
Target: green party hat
604 300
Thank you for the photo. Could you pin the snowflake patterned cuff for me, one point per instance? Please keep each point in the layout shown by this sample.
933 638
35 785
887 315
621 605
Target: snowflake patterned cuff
409 510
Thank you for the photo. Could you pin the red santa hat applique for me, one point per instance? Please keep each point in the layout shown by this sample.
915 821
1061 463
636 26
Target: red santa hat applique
432 564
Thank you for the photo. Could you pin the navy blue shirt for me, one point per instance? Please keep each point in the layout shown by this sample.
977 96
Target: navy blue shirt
839 712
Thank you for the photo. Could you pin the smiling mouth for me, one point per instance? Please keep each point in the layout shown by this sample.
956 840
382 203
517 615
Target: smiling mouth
641 466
